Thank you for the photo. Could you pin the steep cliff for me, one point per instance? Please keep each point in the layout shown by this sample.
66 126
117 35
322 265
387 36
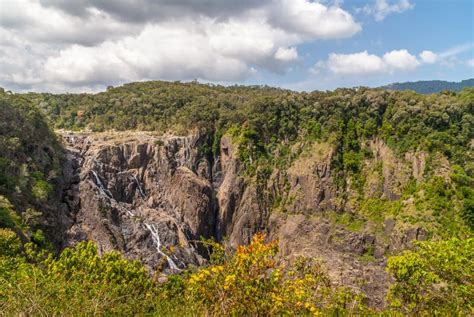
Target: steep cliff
154 197
146 196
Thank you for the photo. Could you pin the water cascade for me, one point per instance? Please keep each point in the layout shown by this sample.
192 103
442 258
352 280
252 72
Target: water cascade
140 189
101 186
150 227
156 239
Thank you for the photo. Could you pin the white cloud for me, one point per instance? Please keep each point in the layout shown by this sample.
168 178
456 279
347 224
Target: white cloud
313 19
381 8
450 57
92 43
456 50
286 54
470 62
400 59
29 20
357 63
365 63
159 51
428 57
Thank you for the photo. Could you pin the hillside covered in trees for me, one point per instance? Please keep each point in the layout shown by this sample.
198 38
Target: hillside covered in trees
371 139
431 86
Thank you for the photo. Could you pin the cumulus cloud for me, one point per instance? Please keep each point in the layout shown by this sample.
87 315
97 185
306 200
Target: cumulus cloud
381 8
365 63
357 63
149 11
313 19
286 54
94 43
31 21
428 57
158 52
470 62
400 59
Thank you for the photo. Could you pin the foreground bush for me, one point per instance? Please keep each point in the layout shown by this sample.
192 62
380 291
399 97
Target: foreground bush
438 278
250 283
80 282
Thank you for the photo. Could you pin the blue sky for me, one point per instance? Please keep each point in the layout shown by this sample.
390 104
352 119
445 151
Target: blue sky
440 26
87 45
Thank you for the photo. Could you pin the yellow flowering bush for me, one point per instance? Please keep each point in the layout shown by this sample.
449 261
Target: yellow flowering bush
251 283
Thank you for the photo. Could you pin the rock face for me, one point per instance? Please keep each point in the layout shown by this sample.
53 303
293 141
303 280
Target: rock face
153 197
150 198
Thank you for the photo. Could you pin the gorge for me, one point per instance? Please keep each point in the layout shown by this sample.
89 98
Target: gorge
344 178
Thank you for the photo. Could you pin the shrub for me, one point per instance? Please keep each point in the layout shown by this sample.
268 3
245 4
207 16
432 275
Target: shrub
8 217
437 277
251 283
10 244
79 282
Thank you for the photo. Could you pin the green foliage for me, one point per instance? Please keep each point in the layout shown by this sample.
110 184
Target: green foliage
437 277
41 188
31 158
313 130
10 244
465 191
405 120
8 217
80 282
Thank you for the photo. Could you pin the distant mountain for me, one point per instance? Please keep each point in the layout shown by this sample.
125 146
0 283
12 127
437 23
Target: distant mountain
431 86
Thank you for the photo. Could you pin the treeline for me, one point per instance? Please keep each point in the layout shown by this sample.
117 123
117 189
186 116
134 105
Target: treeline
431 86
405 120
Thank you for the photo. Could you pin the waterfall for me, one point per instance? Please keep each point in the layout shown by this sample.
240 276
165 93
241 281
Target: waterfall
156 239
101 186
139 186
150 227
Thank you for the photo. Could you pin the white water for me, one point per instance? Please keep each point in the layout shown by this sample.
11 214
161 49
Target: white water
152 228
156 239
101 186
139 186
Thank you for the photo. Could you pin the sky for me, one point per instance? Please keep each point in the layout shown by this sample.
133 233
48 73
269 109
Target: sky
87 45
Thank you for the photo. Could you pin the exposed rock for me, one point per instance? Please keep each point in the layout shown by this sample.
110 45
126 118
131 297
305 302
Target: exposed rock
337 249
138 194
124 187
241 214
310 181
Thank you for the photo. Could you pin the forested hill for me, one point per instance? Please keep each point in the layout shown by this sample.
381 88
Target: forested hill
431 86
